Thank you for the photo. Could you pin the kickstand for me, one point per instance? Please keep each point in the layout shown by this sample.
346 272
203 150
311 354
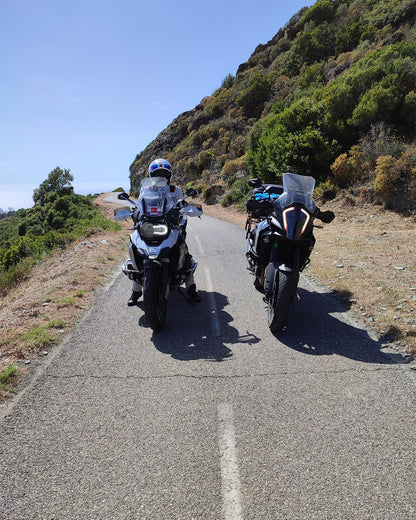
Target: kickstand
191 303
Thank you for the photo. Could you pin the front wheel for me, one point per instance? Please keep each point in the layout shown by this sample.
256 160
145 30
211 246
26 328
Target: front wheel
284 293
154 298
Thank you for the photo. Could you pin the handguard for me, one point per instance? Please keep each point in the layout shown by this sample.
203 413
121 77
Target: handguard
326 216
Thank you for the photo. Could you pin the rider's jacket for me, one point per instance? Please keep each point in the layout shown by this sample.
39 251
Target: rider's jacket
176 193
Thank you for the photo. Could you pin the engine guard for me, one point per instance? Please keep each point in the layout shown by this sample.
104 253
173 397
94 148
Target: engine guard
129 270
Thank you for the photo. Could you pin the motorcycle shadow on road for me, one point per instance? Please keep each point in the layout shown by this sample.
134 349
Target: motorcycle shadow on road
198 331
318 325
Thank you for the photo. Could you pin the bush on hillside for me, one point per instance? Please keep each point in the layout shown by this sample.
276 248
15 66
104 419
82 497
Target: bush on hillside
235 167
228 81
387 175
254 96
58 217
349 167
237 194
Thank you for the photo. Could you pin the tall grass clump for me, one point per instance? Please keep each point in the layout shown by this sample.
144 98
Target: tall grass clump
37 338
8 375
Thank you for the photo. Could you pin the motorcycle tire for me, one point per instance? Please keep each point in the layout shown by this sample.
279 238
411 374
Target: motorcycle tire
154 300
284 293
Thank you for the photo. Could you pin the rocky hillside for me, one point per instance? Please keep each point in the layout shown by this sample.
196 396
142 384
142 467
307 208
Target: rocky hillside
332 95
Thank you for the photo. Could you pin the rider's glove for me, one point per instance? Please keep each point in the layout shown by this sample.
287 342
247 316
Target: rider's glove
174 215
135 216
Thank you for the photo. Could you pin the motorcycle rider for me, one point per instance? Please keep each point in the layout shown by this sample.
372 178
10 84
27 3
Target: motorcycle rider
162 168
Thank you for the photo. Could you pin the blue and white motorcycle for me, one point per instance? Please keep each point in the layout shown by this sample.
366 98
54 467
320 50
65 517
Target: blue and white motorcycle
158 255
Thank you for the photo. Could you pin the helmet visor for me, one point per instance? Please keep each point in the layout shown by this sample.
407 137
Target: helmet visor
164 166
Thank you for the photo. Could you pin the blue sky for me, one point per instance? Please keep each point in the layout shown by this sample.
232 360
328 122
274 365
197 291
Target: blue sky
88 84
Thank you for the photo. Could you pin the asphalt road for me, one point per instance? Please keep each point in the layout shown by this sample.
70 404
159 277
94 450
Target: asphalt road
214 417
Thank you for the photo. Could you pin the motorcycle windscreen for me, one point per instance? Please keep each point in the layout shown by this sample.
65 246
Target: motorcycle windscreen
154 199
297 188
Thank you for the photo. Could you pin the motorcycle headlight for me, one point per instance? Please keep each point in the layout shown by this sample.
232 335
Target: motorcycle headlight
148 230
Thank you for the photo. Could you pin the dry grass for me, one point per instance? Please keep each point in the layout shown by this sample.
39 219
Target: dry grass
369 253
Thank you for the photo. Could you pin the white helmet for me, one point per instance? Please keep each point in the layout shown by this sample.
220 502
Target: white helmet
160 168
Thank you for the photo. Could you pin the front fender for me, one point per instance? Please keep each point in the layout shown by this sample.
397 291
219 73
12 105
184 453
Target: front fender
160 264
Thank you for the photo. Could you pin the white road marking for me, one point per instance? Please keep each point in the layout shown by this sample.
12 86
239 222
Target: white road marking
213 309
230 479
198 243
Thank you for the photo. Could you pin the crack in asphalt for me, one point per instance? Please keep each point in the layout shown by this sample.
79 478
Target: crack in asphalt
222 376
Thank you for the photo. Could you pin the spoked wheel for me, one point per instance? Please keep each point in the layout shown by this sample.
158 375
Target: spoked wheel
154 299
284 293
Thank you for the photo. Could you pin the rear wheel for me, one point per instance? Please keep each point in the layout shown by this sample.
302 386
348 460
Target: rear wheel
154 300
284 293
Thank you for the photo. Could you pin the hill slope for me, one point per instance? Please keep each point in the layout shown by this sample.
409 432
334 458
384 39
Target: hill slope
329 95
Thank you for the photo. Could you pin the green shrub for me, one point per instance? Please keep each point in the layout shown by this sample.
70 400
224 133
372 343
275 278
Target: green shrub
237 194
205 159
196 186
322 11
314 45
348 36
228 81
392 12
11 277
380 103
408 110
206 193
257 92
57 218
324 186
306 152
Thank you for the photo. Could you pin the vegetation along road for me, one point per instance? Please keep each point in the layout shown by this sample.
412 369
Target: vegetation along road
213 417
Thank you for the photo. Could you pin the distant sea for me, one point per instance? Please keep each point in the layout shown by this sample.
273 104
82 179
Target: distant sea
16 196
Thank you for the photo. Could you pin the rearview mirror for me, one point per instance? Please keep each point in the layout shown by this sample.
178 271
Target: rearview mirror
123 196
255 183
329 195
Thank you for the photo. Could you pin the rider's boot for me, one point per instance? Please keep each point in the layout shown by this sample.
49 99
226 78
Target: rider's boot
135 295
193 294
